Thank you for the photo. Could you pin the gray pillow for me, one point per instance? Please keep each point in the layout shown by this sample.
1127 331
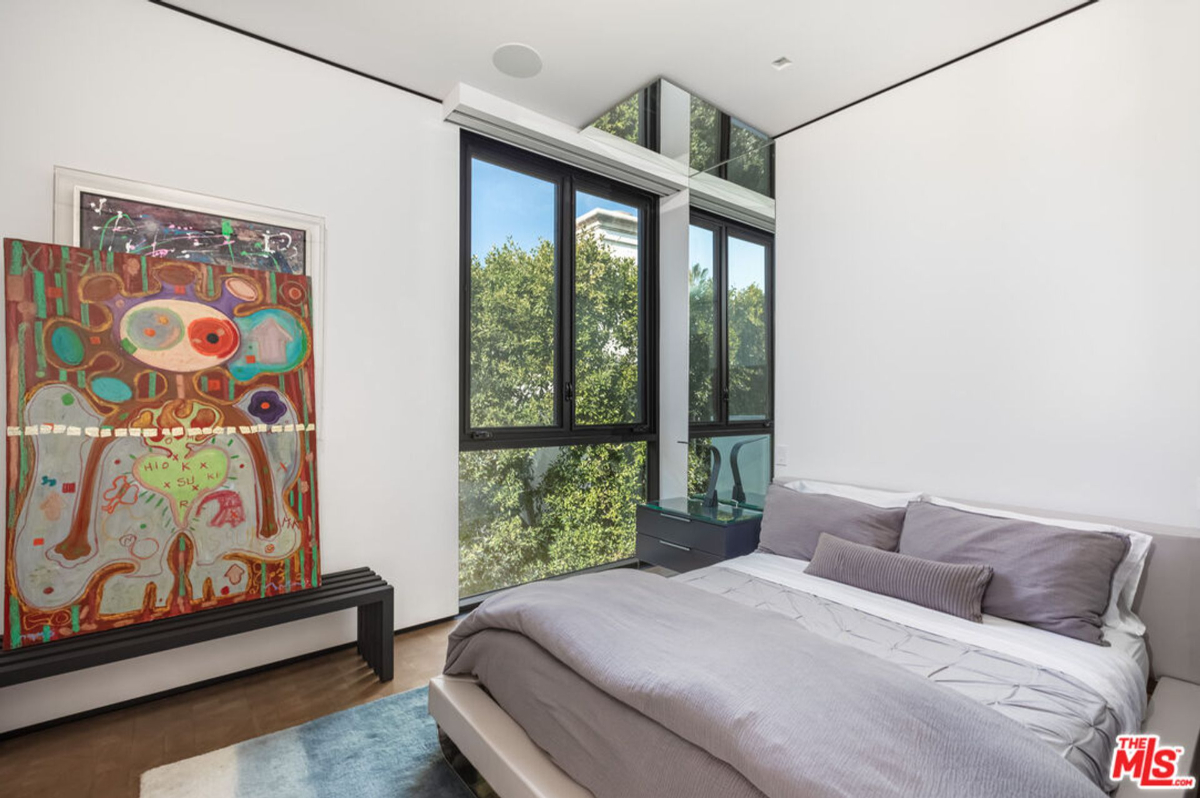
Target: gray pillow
793 522
942 586
1045 576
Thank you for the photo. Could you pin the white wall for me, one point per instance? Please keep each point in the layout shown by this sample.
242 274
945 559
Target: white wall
989 279
674 267
126 88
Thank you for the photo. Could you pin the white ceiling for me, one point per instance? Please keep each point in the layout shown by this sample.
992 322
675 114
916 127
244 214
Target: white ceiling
599 52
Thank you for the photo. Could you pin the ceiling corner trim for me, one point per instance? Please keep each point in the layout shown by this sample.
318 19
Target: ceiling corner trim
293 50
940 66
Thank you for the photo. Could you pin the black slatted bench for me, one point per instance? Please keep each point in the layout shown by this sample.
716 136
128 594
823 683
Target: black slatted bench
359 587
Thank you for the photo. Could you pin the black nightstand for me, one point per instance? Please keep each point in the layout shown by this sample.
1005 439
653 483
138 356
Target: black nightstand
682 534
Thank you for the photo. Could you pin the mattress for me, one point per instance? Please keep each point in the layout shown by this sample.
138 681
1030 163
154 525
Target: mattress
1076 696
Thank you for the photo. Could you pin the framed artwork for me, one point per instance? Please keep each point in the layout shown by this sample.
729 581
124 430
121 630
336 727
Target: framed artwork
161 438
115 215
112 214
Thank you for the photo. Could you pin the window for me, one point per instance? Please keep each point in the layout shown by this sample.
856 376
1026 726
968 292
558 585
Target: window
749 158
558 407
634 119
514 303
705 133
623 120
747 375
531 513
702 326
730 149
731 353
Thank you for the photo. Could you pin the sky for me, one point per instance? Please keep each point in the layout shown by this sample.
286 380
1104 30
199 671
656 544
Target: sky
747 264
506 203
747 260
700 246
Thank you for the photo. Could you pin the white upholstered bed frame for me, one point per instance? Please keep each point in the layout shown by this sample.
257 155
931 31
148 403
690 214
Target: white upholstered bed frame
1168 602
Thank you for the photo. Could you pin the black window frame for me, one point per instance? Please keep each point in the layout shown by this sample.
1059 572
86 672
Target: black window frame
649 124
722 229
565 432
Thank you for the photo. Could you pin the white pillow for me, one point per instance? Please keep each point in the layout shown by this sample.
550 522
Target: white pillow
876 498
1119 613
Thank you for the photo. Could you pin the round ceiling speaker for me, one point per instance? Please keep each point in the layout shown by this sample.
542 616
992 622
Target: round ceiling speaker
517 60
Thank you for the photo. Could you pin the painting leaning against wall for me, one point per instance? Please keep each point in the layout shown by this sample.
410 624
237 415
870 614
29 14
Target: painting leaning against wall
161 439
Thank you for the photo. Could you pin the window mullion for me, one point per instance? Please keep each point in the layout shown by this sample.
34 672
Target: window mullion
724 137
567 303
722 297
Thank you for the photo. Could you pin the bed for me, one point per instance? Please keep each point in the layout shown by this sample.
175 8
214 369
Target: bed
600 688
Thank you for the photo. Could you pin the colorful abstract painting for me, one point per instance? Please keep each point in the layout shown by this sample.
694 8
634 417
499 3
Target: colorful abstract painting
118 224
161 439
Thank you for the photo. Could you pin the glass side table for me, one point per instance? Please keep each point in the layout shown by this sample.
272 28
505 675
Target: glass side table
682 534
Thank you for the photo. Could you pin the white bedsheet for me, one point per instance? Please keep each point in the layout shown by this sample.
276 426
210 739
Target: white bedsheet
1117 672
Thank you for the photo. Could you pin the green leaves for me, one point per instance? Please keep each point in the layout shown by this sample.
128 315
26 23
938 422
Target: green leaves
748 351
702 353
513 309
622 120
527 514
606 334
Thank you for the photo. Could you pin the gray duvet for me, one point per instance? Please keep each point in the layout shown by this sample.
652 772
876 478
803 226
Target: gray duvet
643 686
1066 714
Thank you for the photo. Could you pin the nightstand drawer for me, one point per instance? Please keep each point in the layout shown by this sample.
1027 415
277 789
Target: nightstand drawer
733 540
684 531
672 555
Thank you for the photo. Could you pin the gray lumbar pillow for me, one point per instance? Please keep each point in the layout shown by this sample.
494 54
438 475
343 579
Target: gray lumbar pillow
793 522
946 587
1045 576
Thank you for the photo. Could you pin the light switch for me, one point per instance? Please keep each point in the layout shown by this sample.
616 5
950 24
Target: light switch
781 459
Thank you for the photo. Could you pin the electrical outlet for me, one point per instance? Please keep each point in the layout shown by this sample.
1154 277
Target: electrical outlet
781 459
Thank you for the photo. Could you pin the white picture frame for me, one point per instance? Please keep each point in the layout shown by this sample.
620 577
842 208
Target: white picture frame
69 184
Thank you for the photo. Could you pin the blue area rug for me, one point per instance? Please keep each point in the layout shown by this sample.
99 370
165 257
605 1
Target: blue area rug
385 749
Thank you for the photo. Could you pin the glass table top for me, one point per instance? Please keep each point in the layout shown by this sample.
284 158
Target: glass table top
724 513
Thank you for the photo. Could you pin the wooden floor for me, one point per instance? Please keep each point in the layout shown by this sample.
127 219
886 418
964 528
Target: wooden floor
104 756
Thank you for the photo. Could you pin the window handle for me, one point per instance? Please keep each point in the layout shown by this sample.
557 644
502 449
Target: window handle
480 435
569 394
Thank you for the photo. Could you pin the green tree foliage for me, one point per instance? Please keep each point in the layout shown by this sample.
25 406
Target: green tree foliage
702 354
705 135
607 301
622 120
527 514
748 352
747 348
749 159
512 337
699 465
